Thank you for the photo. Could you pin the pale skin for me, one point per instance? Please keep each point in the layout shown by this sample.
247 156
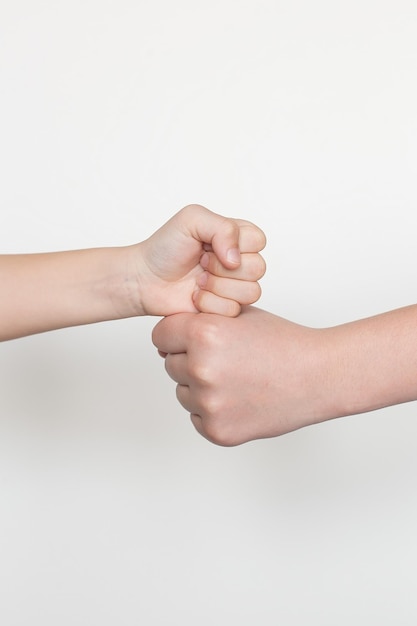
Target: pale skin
197 261
260 375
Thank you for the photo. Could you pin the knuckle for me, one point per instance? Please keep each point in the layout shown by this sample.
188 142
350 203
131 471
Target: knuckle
187 215
190 208
203 330
211 404
218 427
200 371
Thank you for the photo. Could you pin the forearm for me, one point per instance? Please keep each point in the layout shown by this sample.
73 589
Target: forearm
262 376
197 261
372 363
41 292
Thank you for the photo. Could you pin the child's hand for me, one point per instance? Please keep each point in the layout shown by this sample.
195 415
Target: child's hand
200 261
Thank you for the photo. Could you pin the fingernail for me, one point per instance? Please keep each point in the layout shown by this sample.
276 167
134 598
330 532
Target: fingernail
204 261
233 256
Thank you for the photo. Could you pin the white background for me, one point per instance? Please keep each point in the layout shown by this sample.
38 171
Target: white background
299 116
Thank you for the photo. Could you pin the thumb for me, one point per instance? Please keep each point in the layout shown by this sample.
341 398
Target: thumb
222 233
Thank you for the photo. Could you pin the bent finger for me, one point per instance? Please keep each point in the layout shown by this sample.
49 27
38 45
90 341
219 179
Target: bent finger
242 291
185 398
208 302
222 233
251 237
252 266
228 237
176 366
197 422
170 334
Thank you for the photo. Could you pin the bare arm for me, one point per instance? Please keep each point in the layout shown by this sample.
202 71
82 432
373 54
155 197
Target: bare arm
41 292
260 376
198 261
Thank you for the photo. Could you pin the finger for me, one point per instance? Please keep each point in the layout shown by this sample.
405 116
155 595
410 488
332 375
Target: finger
176 366
208 302
185 398
242 291
252 266
220 232
197 422
228 237
251 237
170 334
206 430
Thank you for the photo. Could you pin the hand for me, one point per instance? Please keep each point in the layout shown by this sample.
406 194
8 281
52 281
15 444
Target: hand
199 261
261 376
247 378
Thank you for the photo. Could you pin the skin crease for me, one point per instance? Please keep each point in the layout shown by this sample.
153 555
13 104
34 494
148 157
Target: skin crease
197 261
259 375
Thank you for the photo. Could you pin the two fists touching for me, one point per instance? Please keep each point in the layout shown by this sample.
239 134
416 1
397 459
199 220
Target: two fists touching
242 373
200 261
197 263
199 271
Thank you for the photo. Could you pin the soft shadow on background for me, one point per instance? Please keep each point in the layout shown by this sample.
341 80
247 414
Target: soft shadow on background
301 117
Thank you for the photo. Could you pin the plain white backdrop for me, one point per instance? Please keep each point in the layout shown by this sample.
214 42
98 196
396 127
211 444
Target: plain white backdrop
299 116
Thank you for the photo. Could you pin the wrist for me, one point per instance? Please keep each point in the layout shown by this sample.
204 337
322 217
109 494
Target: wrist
126 281
54 290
